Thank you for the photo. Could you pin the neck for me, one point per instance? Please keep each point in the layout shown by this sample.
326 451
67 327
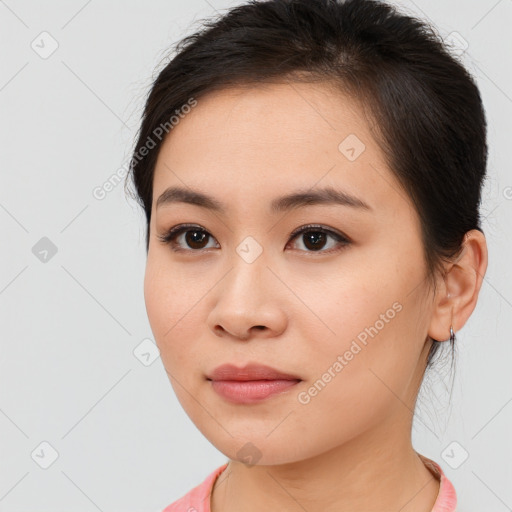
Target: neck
375 471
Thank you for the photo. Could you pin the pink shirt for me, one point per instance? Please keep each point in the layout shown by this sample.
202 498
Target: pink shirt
198 498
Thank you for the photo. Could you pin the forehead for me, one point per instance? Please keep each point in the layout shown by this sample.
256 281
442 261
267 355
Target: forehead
277 137
283 113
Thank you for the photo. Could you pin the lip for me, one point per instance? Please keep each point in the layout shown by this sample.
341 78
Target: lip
251 383
251 371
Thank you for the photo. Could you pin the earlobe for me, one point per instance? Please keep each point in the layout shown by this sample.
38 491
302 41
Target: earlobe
461 285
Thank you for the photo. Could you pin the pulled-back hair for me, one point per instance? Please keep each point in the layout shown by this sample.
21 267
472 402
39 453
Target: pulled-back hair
426 110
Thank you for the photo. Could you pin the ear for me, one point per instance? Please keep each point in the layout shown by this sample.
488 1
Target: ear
458 289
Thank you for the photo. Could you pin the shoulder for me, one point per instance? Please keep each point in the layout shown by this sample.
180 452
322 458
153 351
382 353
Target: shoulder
198 498
447 497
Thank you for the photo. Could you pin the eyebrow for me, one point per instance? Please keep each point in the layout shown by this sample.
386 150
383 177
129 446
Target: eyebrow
323 196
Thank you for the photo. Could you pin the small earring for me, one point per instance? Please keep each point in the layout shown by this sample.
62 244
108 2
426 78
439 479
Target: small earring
452 335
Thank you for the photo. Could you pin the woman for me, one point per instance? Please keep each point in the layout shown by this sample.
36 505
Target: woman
311 176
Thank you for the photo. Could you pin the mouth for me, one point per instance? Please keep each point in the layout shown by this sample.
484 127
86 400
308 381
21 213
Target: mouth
251 371
251 391
251 383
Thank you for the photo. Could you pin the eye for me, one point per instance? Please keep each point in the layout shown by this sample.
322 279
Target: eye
194 236
314 238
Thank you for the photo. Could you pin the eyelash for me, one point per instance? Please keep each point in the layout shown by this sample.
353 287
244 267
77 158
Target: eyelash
169 237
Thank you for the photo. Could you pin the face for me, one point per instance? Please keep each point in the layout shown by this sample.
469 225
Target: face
340 304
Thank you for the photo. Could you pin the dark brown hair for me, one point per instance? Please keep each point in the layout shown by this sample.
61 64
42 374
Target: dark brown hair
427 110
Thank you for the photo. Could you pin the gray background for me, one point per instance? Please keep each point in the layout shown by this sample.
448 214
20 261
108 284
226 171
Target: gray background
72 322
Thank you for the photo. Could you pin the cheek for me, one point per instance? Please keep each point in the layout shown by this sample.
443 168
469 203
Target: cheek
168 318
164 306
366 334
354 385
172 309
156 300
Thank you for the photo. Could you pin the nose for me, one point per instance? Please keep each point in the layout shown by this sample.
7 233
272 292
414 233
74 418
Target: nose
249 302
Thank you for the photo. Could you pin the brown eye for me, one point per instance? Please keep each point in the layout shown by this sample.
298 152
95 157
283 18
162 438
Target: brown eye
315 238
181 236
196 239
191 238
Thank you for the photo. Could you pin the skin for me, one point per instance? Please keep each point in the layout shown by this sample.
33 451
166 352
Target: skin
350 447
